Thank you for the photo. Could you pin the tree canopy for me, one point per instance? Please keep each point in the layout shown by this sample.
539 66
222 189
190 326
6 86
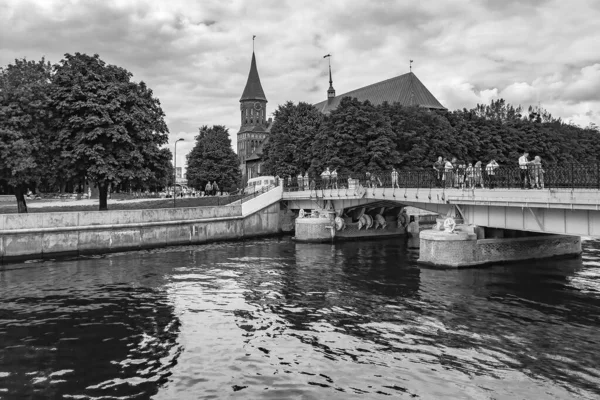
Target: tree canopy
26 140
294 130
213 159
358 136
110 128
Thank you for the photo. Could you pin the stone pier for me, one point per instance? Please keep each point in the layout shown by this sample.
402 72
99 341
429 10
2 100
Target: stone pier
473 245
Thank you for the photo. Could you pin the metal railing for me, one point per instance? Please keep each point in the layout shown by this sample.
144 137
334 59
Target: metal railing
565 176
257 193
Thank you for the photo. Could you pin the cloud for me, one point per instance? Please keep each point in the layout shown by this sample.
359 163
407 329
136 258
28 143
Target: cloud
196 55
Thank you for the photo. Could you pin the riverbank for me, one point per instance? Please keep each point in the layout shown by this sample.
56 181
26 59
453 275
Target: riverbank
57 234
72 205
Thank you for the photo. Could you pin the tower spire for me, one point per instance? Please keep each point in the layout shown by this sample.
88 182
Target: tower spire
253 89
331 90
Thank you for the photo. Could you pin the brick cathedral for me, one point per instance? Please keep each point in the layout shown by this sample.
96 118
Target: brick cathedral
255 128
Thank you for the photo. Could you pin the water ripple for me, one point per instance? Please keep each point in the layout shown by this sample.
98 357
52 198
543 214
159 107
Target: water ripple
278 319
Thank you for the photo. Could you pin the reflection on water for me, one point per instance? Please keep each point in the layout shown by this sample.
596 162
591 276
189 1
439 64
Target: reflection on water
278 319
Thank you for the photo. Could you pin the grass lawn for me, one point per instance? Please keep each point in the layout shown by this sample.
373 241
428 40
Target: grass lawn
37 206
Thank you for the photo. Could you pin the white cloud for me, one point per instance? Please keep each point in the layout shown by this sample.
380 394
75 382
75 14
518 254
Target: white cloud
196 55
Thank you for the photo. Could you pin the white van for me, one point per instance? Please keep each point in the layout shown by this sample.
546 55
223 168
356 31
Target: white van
259 183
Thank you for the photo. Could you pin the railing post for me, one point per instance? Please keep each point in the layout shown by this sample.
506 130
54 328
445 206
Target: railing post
572 178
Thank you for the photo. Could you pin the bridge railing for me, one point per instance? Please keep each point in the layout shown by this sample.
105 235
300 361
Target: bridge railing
566 176
258 192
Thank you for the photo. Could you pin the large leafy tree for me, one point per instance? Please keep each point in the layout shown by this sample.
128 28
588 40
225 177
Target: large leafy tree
288 150
355 137
26 140
213 159
110 128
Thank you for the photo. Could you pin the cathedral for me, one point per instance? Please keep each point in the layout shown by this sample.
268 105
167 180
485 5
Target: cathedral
255 128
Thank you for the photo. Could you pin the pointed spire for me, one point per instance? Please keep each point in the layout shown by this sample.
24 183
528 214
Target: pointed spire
253 89
331 90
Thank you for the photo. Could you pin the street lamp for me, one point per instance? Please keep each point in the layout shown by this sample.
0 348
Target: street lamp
175 172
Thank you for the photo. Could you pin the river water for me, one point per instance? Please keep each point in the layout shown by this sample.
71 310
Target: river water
274 319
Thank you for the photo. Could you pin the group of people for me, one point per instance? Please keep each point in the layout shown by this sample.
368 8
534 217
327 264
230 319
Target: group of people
211 189
531 173
448 172
329 180
462 175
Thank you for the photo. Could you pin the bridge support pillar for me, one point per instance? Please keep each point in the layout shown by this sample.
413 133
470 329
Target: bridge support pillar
467 247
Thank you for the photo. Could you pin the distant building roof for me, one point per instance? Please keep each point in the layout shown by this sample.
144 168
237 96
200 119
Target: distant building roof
405 89
253 89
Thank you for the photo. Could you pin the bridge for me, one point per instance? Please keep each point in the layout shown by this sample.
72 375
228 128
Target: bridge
569 202
557 211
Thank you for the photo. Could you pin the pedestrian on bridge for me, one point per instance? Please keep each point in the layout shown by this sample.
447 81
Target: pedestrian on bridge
438 167
478 175
208 189
448 176
490 169
325 175
300 180
334 176
454 163
524 170
469 177
395 178
374 180
537 173
215 188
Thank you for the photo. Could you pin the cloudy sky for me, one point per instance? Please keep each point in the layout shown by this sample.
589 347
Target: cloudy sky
195 55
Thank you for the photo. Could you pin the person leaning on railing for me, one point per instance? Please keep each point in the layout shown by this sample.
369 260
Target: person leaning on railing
537 173
490 169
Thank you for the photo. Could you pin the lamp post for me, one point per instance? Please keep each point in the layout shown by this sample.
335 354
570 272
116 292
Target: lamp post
175 171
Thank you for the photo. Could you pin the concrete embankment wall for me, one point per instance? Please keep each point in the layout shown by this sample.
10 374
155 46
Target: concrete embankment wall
46 235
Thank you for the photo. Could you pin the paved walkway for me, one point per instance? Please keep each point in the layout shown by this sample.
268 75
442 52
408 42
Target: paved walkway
82 202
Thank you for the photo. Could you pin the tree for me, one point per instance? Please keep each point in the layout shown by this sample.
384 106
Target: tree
110 128
26 139
213 159
355 137
288 150
162 165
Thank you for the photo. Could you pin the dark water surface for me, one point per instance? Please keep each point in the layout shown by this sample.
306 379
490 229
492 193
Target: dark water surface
273 319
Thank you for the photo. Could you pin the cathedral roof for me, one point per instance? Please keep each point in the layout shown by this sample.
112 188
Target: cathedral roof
405 89
253 89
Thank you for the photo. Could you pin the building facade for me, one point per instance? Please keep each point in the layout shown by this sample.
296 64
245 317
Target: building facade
255 126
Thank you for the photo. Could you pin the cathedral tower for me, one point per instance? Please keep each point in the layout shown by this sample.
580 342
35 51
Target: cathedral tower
254 124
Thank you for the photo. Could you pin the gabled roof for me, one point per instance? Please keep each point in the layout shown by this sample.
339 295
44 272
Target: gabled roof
253 89
405 89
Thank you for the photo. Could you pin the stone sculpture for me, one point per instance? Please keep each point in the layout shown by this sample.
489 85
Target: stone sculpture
301 213
366 220
340 224
449 225
380 222
403 219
